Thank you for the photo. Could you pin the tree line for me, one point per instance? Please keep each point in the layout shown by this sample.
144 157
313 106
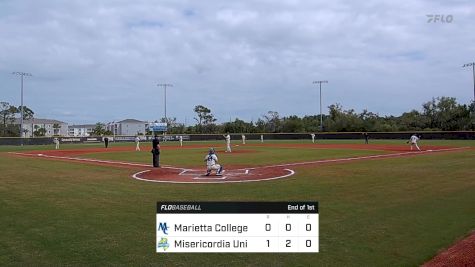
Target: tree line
10 128
438 114
8 115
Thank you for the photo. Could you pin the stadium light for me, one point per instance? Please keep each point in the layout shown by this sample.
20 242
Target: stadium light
472 64
321 115
165 85
21 74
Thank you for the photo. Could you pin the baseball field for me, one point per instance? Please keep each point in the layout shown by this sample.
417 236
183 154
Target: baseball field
379 204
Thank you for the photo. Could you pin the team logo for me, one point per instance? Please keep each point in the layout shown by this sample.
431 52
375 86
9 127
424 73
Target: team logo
163 227
163 243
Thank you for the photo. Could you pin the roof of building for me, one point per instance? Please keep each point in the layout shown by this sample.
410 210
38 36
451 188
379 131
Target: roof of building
131 121
39 121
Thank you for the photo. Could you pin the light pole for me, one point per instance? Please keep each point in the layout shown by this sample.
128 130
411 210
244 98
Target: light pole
21 74
472 64
321 114
165 85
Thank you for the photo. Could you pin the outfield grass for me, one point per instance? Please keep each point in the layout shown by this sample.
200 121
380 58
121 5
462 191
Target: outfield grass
388 212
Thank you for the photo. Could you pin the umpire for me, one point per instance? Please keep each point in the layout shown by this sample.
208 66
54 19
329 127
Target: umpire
106 141
366 138
156 152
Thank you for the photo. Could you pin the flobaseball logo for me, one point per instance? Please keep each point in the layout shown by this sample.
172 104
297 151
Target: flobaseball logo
434 18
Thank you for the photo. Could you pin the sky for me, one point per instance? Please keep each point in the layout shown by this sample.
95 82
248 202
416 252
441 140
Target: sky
101 61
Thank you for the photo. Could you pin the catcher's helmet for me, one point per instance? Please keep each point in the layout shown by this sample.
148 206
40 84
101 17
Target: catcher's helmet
211 150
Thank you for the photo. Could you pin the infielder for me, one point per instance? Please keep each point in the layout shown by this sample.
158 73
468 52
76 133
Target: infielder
413 141
313 137
228 143
181 140
137 143
56 142
243 139
212 163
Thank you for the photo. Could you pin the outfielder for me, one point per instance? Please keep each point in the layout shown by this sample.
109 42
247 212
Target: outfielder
56 142
243 139
212 163
137 143
181 140
413 141
228 143
313 137
262 138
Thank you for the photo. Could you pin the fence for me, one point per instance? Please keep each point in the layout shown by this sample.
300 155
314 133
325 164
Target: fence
459 135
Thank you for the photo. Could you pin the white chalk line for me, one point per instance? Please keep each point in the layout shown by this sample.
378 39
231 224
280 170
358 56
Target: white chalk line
136 176
380 156
184 170
191 172
94 160
214 177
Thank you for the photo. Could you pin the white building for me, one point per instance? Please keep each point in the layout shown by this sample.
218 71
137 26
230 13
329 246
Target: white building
81 130
51 127
127 127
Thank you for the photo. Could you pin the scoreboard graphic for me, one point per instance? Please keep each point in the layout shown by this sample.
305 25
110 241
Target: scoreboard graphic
237 227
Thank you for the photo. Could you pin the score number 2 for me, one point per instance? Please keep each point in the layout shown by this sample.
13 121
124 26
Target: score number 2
288 227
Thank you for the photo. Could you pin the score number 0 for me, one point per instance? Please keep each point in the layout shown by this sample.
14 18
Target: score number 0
288 228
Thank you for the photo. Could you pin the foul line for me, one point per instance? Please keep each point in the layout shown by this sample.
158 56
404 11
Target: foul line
380 156
291 172
184 170
93 160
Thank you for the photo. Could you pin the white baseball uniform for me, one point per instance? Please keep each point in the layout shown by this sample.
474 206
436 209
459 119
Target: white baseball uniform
181 140
243 139
313 137
137 143
413 141
56 142
212 162
262 138
228 143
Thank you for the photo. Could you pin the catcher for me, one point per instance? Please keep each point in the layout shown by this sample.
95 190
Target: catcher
212 163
